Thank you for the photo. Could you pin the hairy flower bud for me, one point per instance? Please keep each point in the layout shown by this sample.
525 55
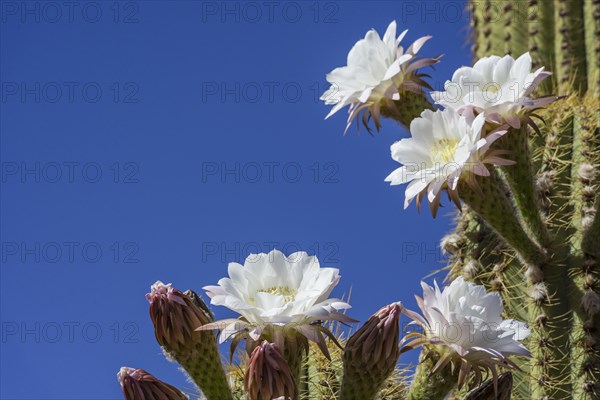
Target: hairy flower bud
268 376
138 384
371 354
176 316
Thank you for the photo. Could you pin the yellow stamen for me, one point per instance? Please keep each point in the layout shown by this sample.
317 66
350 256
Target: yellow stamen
288 293
443 151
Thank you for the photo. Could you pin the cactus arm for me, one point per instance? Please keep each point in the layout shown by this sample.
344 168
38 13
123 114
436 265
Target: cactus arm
208 376
583 267
520 179
591 13
570 47
495 11
491 203
550 310
541 39
516 35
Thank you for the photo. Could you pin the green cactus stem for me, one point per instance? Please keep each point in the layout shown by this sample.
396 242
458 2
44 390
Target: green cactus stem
409 107
428 386
521 180
486 196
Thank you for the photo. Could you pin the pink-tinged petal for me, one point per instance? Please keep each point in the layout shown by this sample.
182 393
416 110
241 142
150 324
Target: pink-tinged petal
544 101
498 161
480 169
494 117
489 139
423 62
538 77
513 120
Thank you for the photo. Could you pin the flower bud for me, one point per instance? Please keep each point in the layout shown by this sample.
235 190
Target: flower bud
138 384
371 353
176 316
268 376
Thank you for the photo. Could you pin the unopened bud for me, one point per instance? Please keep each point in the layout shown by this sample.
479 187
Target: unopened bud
176 316
268 376
138 384
371 353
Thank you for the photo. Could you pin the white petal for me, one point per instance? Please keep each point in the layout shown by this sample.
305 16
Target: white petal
502 70
521 68
416 46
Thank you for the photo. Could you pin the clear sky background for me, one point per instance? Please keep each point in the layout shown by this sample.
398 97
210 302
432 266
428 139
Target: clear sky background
154 140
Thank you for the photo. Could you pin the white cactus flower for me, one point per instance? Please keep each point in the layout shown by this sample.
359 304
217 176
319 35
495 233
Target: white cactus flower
377 68
444 148
498 87
275 291
466 324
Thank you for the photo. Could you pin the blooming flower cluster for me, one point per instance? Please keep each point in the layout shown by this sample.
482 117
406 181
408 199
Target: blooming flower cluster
444 147
292 294
466 323
275 292
481 104
377 69
497 87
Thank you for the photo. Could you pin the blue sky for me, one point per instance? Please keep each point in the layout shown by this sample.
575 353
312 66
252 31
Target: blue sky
161 140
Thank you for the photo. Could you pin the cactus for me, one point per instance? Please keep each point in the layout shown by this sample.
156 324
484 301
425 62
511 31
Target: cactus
526 245
560 189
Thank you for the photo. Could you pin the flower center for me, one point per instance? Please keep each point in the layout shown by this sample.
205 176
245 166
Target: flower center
286 292
443 151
